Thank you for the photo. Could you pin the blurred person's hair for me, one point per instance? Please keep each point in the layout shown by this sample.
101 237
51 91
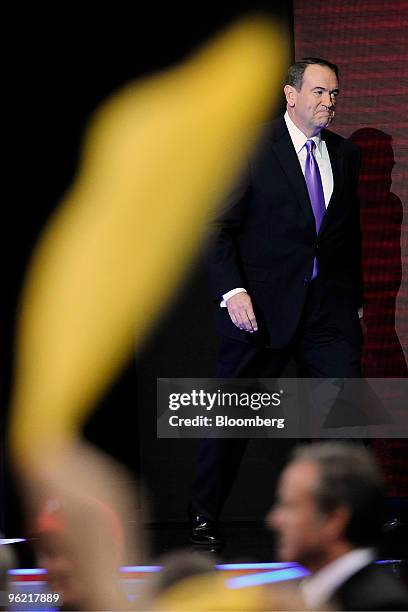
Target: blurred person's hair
180 564
175 567
349 477
294 76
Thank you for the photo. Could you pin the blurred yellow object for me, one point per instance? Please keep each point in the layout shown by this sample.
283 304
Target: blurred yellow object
210 592
157 158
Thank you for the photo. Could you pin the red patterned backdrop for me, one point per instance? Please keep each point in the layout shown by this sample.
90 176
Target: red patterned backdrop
368 40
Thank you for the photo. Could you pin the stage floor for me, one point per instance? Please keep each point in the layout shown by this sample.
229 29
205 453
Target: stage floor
243 543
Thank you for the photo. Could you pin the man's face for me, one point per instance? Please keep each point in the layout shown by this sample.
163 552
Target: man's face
312 108
295 517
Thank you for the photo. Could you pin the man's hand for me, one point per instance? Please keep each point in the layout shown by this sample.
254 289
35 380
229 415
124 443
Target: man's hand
241 312
363 327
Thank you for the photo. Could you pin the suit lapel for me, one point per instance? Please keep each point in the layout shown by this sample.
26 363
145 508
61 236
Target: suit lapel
285 152
336 162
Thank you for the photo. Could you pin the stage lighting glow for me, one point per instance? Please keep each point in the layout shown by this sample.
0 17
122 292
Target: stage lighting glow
254 566
27 572
289 573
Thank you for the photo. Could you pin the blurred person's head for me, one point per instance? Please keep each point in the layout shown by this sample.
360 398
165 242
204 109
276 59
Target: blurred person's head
190 581
182 564
55 552
175 567
330 500
213 591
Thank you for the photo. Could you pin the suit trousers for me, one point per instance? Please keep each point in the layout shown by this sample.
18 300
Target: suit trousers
319 349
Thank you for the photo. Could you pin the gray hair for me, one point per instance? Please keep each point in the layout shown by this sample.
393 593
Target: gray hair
349 477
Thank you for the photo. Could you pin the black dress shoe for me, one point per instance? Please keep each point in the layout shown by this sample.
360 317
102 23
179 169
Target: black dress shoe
204 532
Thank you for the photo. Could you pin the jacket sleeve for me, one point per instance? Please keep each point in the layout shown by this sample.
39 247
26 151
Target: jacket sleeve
221 253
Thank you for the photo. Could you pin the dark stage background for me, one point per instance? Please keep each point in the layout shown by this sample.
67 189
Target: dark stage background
61 65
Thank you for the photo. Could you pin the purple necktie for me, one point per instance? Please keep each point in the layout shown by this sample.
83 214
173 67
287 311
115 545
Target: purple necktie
315 189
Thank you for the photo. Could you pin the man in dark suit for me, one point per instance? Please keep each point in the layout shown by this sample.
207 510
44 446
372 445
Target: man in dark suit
284 265
328 517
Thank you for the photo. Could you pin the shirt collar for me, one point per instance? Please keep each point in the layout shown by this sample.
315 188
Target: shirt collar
320 587
298 137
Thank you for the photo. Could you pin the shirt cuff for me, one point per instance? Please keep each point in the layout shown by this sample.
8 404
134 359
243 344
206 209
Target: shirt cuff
229 294
360 313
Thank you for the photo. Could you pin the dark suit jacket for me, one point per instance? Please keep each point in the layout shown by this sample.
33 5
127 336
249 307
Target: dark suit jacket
374 587
265 240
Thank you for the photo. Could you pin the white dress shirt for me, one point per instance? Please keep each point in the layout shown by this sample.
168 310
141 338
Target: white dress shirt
323 161
321 155
319 588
